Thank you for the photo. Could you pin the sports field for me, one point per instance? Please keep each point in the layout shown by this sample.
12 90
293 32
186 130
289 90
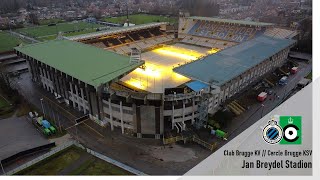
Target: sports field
46 32
141 19
49 21
73 161
8 42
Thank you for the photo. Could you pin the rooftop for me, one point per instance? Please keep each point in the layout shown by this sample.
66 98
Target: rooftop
231 21
196 85
89 64
227 64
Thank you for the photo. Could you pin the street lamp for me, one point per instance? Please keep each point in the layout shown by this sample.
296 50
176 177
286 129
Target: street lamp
42 107
262 106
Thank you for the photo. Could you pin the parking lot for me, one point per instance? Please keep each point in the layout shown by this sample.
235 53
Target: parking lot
18 134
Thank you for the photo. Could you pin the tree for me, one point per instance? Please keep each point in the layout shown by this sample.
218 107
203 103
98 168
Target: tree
5 82
305 43
97 14
207 8
33 18
9 6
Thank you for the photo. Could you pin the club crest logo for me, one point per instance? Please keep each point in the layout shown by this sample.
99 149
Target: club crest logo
272 133
287 131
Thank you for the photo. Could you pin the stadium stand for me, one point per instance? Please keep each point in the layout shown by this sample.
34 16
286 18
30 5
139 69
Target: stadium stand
106 43
156 32
99 45
225 32
145 34
123 43
186 25
280 33
125 47
205 42
113 42
221 67
135 36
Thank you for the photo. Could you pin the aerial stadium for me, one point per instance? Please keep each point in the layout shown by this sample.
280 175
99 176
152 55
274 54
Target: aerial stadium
150 79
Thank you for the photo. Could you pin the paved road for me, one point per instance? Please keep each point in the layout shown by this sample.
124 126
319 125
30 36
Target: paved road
18 134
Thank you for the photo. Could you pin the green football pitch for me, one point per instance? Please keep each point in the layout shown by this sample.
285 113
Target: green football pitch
8 42
46 32
141 19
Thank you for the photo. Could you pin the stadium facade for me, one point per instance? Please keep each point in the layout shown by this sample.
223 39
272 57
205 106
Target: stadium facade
147 79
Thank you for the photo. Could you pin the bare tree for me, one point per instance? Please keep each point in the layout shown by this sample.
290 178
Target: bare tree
4 77
33 18
207 8
6 81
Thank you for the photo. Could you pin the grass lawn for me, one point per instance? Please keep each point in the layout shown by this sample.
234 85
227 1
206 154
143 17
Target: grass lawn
141 19
3 103
8 42
81 32
49 21
54 164
70 161
97 166
309 76
6 110
50 32
52 37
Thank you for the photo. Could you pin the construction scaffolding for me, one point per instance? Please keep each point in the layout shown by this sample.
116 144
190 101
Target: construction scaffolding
203 111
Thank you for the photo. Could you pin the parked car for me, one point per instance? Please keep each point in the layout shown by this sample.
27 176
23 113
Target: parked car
269 91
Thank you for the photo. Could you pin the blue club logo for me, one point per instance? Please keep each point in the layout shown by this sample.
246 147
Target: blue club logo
272 133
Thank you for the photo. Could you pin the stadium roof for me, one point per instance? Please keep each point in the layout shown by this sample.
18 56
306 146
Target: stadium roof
115 31
89 64
227 64
231 21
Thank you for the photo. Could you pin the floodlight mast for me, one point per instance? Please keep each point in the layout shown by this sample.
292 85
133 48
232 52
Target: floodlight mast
127 13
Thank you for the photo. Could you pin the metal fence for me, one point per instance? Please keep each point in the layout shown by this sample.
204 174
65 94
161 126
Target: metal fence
172 140
68 144
40 158
207 145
